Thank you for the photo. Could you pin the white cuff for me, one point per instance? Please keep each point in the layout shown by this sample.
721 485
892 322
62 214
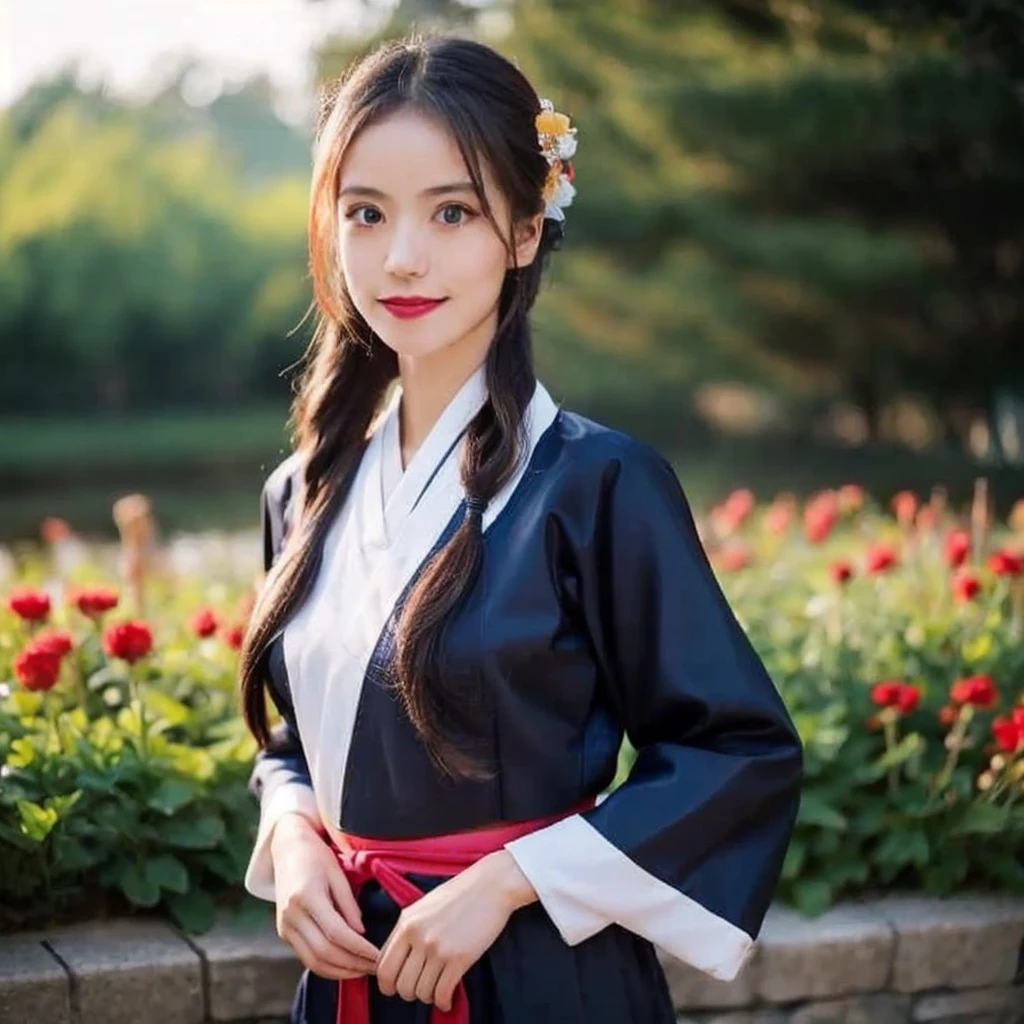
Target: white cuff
585 883
291 797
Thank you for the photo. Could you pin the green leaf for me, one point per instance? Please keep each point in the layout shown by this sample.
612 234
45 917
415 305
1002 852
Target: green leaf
171 795
142 891
812 896
796 854
980 820
908 747
194 834
167 872
36 822
193 911
901 847
815 811
172 711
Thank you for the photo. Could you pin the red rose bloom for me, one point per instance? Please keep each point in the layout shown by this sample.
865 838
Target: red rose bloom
965 586
851 497
905 505
128 640
29 604
1006 563
840 571
894 694
94 601
880 558
977 690
204 622
37 668
233 636
958 547
1008 734
57 641
909 698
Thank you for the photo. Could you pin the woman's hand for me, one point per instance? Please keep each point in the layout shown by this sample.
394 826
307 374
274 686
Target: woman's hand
447 930
317 914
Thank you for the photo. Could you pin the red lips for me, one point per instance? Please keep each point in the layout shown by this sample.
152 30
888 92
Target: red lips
405 307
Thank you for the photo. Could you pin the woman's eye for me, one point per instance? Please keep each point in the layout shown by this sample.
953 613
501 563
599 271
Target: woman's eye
454 214
371 211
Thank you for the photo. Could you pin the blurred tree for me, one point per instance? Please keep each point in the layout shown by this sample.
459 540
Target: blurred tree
137 268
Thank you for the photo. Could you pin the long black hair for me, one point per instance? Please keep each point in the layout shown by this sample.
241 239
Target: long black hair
489 107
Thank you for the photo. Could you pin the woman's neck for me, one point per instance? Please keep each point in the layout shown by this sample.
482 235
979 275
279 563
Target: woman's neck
428 385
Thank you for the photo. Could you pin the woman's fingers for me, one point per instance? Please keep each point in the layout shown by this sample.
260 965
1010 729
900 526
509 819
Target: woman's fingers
338 931
444 992
319 956
429 976
396 949
409 976
344 899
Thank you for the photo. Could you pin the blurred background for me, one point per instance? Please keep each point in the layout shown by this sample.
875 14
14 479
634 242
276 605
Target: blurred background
795 257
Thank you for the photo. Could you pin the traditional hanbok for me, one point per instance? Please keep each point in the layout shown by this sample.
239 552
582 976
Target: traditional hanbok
595 613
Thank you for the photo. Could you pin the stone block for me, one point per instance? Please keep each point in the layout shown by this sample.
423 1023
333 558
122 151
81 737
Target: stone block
131 970
248 972
846 950
1003 1005
959 942
880 1008
761 1015
694 990
34 986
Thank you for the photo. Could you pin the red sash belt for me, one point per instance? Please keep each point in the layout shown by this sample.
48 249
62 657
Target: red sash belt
445 855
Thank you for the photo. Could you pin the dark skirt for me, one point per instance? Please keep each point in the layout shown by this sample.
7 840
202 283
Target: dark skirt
528 976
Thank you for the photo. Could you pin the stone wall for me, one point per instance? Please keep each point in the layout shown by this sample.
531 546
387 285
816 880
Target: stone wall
897 959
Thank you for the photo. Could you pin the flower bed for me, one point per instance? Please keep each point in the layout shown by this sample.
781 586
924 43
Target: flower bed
894 639
896 643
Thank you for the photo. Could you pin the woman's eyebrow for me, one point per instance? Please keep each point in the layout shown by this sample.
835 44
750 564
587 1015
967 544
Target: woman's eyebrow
435 190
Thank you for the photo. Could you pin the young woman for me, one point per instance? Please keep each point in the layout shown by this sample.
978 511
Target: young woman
472 595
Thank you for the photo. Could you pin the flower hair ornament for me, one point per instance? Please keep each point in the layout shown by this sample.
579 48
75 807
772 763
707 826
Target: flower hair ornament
558 144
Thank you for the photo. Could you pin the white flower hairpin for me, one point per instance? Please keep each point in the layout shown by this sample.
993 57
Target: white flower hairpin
557 140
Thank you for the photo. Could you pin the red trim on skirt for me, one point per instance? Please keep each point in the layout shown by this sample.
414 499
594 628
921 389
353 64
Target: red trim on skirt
385 861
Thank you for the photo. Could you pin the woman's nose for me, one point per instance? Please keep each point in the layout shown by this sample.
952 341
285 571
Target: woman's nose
406 256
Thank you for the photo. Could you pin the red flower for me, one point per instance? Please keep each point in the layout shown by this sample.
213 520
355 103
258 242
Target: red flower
1008 734
37 668
927 518
53 530
733 512
880 558
905 506
820 516
894 694
778 517
840 571
204 622
850 497
29 604
948 714
977 690
56 641
965 586
958 547
233 635
128 640
94 601
1006 563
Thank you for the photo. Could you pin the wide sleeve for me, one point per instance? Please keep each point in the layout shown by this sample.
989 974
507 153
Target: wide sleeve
280 778
688 850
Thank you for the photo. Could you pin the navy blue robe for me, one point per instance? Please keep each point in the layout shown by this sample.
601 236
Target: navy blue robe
595 615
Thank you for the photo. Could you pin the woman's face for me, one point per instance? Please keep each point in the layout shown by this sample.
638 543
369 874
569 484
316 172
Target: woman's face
411 226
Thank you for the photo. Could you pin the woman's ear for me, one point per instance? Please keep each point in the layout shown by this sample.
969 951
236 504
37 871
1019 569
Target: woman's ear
527 240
